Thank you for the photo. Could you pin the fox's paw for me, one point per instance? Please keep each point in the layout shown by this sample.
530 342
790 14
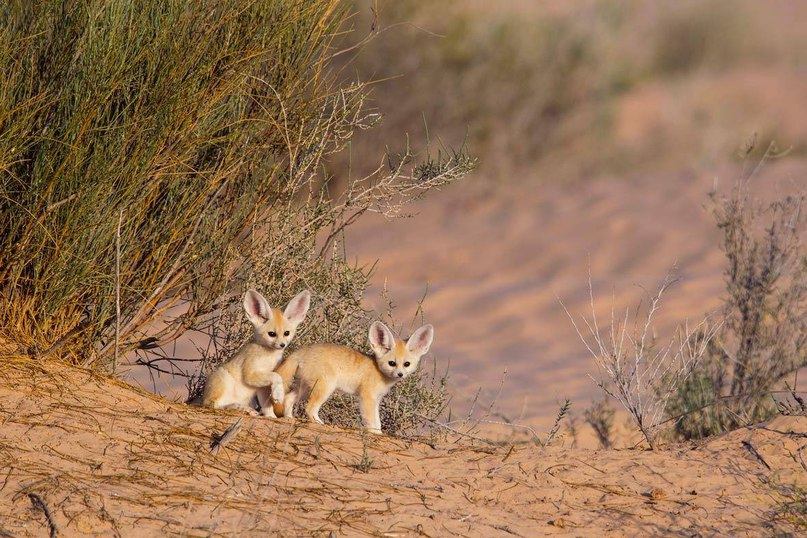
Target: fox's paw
268 412
278 394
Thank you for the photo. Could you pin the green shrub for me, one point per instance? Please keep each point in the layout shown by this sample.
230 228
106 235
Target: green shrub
191 138
189 121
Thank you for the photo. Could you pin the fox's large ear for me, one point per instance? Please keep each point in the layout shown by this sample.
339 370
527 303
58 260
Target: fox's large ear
421 340
298 307
381 338
257 309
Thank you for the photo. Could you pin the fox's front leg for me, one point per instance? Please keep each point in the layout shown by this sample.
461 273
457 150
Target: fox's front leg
271 396
370 414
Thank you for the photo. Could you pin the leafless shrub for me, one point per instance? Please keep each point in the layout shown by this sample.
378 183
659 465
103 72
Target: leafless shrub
636 370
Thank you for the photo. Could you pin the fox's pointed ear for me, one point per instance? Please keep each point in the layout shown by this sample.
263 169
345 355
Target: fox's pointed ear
298 307
421 340
381 338
257 309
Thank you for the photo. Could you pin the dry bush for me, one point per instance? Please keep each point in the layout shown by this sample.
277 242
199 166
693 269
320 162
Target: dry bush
764 337
642 373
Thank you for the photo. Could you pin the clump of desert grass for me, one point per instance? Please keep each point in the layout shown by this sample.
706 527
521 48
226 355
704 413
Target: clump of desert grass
155 157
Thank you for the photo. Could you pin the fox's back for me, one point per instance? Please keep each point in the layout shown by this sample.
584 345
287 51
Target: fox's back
344 365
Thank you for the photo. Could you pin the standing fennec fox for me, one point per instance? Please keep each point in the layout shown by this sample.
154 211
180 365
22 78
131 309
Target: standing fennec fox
251 371
321 369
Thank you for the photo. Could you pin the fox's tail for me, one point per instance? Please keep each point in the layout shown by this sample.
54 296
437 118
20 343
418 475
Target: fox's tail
287 371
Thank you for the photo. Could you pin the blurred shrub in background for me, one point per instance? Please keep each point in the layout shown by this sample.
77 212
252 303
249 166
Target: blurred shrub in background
763 340
566 90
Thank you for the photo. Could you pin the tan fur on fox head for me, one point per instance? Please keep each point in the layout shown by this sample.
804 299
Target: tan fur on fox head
395 358
274 328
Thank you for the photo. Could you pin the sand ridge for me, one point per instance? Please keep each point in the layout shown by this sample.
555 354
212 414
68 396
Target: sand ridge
107 459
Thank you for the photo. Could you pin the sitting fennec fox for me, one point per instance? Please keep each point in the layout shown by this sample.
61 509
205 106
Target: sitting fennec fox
318 370
251 371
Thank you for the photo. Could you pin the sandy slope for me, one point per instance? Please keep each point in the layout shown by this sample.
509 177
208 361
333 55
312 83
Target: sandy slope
497 257
109 460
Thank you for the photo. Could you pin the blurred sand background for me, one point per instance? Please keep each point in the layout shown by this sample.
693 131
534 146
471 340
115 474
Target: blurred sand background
600 129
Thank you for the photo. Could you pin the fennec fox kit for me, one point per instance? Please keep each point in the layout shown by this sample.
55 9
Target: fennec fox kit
251 371
321 369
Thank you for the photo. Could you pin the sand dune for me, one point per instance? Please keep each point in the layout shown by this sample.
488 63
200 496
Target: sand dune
106 459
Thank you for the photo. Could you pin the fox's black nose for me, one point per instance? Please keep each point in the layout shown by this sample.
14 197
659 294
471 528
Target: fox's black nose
400 374
282 345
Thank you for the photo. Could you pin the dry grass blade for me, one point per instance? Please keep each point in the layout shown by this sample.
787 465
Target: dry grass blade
220 440
37 502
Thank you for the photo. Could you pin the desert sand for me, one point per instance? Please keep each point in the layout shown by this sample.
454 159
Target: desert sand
83 455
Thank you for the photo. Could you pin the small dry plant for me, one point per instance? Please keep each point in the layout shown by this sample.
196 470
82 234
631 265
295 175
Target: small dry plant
636 369
789 517
600 416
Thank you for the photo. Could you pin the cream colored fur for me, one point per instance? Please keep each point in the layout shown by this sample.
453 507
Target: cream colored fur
315 372
250 372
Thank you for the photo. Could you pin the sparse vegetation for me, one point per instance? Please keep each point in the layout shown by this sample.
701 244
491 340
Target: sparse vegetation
789 516
764 337
540 89
600 416
637 370
718 377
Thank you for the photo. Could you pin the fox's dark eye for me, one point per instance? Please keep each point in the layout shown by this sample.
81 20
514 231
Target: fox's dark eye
392 363
406 364
272 334
286 333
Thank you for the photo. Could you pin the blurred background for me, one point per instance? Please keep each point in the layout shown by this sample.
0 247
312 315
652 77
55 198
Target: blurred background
600 127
